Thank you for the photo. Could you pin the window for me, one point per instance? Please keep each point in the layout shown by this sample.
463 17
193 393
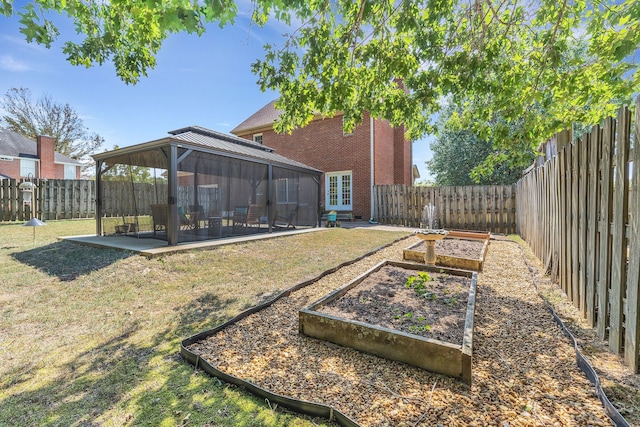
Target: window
338 190
27 166
286 190
257 138
69 172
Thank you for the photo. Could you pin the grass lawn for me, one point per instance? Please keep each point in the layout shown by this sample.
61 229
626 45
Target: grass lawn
91 336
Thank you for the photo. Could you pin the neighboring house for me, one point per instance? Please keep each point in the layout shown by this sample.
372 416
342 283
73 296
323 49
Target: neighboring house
21 157
416 174
374 153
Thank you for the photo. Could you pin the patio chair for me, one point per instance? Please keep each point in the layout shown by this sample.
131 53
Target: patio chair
288 217
188 220
253 216
240 217
246 216
159 213
197 214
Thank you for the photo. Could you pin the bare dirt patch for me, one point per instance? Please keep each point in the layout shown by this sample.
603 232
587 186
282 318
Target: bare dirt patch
435 309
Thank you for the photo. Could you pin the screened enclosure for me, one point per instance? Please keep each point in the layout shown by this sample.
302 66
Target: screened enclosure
198 184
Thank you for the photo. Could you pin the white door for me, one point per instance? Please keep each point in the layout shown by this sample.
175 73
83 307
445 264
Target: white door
338 190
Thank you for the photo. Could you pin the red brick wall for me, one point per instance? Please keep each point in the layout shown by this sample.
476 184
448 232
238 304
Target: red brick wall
402 157
383 153
60 171
10 169
321 145
46 156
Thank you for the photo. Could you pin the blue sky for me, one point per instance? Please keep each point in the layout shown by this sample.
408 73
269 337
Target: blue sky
205 81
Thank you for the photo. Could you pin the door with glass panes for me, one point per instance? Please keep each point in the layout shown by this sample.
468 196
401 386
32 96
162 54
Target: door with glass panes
338 191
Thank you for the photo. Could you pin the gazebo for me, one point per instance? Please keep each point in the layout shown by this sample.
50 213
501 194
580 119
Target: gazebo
199 184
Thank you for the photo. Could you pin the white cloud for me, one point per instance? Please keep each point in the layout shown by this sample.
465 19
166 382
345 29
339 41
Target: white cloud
21 43
9 63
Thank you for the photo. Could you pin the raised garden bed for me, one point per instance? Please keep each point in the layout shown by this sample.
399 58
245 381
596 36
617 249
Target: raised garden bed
460 249
428 324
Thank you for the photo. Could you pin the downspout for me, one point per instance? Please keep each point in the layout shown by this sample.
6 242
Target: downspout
372 167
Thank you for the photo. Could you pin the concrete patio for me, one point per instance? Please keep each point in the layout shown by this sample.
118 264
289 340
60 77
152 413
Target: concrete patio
150 247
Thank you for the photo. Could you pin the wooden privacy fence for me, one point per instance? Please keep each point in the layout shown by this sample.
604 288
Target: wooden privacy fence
67 199
51 199
487 208
123 198
580 213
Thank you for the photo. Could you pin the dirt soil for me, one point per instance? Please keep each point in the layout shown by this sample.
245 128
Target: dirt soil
524 368
383 299
458 248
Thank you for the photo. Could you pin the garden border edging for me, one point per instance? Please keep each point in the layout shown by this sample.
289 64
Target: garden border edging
300 406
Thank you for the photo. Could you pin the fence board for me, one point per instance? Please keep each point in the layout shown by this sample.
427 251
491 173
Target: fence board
620 214
557 247
582 225
508 199
606 213
484 208
564 220
593 143
632 330
459 197
575 290
547 185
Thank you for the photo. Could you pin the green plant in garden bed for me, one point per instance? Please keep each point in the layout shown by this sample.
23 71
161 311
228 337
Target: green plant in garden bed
419 284
94 333
419 322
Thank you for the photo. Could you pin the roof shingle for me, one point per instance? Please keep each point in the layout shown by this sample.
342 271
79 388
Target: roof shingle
264 117
15 145
233 145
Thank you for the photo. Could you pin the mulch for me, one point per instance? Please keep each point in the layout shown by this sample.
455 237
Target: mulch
524 370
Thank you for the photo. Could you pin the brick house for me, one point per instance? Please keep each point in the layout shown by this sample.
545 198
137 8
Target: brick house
21 157
375 153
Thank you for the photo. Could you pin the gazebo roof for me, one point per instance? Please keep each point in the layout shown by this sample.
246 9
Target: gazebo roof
200 139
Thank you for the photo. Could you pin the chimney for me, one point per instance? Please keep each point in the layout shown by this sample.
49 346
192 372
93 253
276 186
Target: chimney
46 155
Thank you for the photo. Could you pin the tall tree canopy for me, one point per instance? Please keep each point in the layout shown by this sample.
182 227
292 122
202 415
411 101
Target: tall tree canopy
507 59
47 117
462 158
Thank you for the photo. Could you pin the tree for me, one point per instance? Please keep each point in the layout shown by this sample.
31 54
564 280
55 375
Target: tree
503 57
46 117
461 158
